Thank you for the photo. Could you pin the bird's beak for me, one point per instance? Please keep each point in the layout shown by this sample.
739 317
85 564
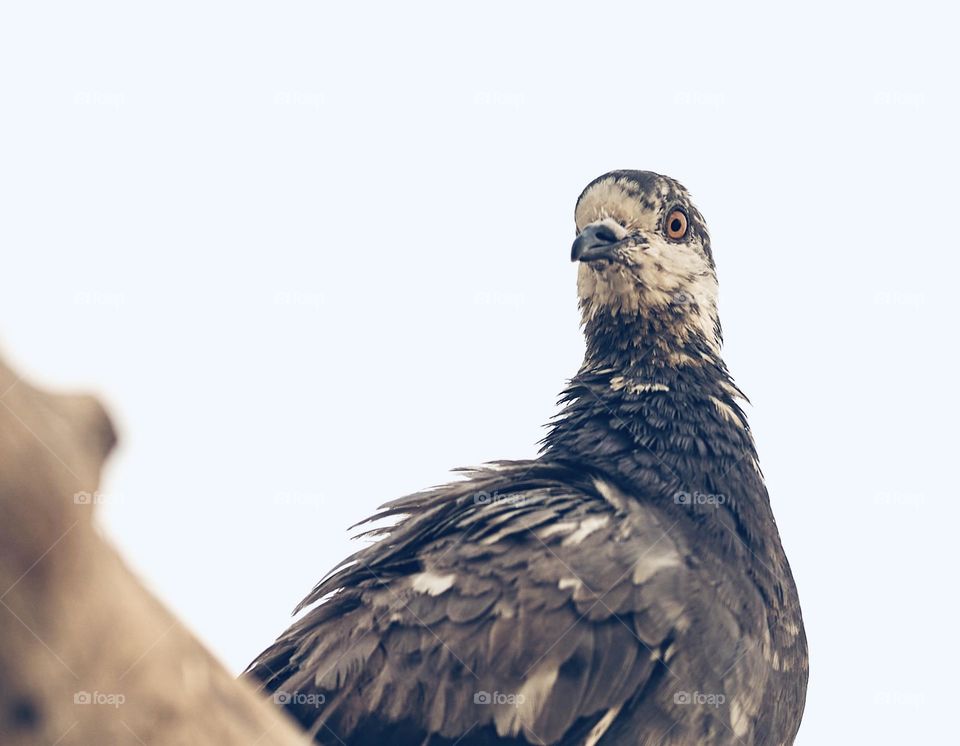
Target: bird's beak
597 241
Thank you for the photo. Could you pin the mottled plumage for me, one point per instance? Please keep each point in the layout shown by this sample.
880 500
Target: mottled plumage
628 586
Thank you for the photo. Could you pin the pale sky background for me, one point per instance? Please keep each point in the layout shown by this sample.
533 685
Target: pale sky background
314 256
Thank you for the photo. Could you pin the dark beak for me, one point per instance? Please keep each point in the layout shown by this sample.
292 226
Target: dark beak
594 243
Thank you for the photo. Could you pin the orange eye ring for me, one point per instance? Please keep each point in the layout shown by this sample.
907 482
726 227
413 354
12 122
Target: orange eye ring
677 225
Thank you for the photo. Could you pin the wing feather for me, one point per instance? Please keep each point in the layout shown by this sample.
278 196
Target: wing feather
529 618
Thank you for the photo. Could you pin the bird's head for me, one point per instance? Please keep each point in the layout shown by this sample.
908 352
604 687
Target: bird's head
644 252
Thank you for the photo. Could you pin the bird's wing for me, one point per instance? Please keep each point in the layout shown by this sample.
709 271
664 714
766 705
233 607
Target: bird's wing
520 605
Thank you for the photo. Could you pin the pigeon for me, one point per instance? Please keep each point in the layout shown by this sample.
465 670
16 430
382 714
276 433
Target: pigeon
627 586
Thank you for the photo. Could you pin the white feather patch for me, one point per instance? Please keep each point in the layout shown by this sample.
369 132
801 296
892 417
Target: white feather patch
602 726
653 562
431 583
611 494
587 526
620 383
738 719
528 704
727 412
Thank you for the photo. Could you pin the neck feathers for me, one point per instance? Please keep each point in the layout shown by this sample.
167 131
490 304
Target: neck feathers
660 416
654 399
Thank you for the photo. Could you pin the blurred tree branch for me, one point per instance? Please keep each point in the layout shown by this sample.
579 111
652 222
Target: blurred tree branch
88 656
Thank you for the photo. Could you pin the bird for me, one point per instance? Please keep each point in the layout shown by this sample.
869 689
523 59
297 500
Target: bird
628 585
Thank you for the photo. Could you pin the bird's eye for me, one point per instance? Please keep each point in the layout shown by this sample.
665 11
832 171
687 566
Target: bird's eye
677 225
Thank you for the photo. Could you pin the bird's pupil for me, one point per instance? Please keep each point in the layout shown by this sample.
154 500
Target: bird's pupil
675 225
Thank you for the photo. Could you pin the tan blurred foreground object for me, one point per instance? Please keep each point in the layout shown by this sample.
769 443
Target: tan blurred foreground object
87 655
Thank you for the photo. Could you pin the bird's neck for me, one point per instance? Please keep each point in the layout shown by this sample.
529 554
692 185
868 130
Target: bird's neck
649 385
658 413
